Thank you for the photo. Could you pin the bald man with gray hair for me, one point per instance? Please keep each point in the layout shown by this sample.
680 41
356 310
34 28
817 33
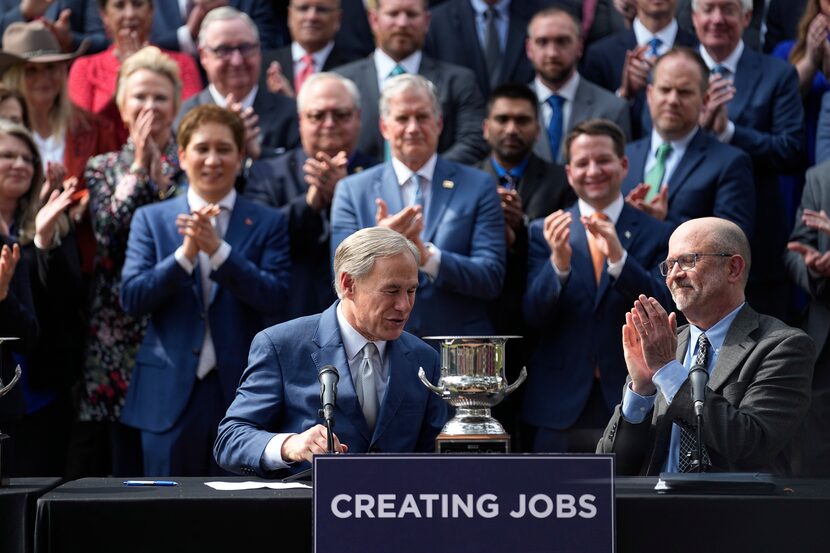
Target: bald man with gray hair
759 369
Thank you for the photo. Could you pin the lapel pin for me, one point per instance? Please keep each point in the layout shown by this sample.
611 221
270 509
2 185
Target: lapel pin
357 169
448 184
627 234
248 221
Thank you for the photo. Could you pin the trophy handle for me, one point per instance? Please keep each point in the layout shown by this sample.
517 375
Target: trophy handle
522 375
438 390
5 389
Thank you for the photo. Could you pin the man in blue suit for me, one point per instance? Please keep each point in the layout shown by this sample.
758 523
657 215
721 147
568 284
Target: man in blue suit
450 211
586 265
681 172
754 104
381 405
207 268
174 28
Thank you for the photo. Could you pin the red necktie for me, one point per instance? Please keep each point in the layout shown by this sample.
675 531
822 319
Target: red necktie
305 72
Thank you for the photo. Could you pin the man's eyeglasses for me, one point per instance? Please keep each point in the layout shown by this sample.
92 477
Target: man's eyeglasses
687 261
338 115
225 52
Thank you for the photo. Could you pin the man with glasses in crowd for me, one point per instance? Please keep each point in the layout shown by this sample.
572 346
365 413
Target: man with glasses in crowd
760 369
229 51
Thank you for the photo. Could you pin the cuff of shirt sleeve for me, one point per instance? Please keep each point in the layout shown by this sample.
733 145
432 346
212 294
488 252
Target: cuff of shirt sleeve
272 455
186 43
614 269
433 263
670 378
220 255
56 241
563 275
728 133
183 261
634 406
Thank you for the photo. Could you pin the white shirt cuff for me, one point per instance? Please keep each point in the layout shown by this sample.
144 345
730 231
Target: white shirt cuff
272 455
728 133
563 275
433 263
614 269
183 261
186 44
220 255
56 241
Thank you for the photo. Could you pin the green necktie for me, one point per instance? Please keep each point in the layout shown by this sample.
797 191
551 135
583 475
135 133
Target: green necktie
654 177
387 151
397 70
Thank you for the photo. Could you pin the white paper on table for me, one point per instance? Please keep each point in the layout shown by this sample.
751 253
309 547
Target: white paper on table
235 486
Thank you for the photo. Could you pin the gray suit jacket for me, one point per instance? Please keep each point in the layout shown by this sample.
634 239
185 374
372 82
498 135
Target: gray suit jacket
462 106
591 102
757 396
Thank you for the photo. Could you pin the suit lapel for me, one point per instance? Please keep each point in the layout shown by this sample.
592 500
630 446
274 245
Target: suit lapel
441 191
332 352
582 105
582 266
747 78
637 155
735 347
464 19
514 50
694 156
387 187
370 96
399 360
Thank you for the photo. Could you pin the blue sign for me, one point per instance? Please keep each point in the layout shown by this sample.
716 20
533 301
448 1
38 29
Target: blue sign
463 503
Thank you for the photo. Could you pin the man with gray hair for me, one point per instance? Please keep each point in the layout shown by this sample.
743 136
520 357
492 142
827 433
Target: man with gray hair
450 211
301 183
382 406
229 50
760 370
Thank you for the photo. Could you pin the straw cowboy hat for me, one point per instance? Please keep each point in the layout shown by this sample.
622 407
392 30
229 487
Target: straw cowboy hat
33 42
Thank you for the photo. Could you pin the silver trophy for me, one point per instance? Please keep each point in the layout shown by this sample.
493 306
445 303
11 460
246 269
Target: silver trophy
4 481
472 380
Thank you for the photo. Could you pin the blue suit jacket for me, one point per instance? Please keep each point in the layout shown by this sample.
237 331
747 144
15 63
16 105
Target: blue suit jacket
579 322
251 284
280 392
464 221
84 21
167 18
711 179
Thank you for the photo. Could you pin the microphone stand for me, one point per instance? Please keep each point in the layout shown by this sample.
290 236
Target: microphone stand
701 467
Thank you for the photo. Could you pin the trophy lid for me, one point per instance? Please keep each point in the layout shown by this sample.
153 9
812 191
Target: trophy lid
470 337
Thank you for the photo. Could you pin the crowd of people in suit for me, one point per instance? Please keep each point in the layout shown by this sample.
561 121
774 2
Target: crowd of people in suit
177 177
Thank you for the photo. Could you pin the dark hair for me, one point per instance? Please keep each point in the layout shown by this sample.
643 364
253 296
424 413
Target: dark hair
211 113
597 127
514 91
10 93
691 55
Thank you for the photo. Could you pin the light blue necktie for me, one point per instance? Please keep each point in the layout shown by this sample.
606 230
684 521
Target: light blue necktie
654 45
418 196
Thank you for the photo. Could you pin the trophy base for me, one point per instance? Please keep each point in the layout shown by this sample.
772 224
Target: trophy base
472 443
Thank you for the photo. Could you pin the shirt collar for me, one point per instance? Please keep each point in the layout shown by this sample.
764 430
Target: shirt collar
319 57
679 145
716 334
353 341
515 172
567 90
730 62
613 210
403 173
196 202
480 6
384 64
667 34
219 100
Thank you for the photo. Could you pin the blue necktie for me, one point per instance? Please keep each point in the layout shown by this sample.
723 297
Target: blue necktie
555 126
418 196
654 44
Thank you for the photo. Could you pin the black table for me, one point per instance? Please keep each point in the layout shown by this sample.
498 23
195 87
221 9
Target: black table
100 514
17 512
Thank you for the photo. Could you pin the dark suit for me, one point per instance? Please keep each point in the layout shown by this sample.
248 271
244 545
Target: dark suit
590 102
576 316
712 179
167 18
280 182
453 37
782 22
464 220
84 22
277 119
355 37
336 58
250 285
816 321
462 107
603 65
279 392
757 395
607 20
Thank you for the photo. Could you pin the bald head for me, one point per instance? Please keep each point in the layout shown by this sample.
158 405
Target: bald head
718 235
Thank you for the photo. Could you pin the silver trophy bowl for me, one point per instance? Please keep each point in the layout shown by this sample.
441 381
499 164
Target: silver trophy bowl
472 380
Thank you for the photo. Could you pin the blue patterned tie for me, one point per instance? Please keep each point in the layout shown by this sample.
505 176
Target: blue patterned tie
555 126
654 45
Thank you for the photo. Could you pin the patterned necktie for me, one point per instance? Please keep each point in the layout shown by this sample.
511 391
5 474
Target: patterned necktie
509 182
721 70
654 46
688 433
597 257
555 126
365 386
654 177
306 71
492 46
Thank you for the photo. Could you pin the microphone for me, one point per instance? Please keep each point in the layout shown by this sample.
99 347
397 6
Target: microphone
698 377
328 377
